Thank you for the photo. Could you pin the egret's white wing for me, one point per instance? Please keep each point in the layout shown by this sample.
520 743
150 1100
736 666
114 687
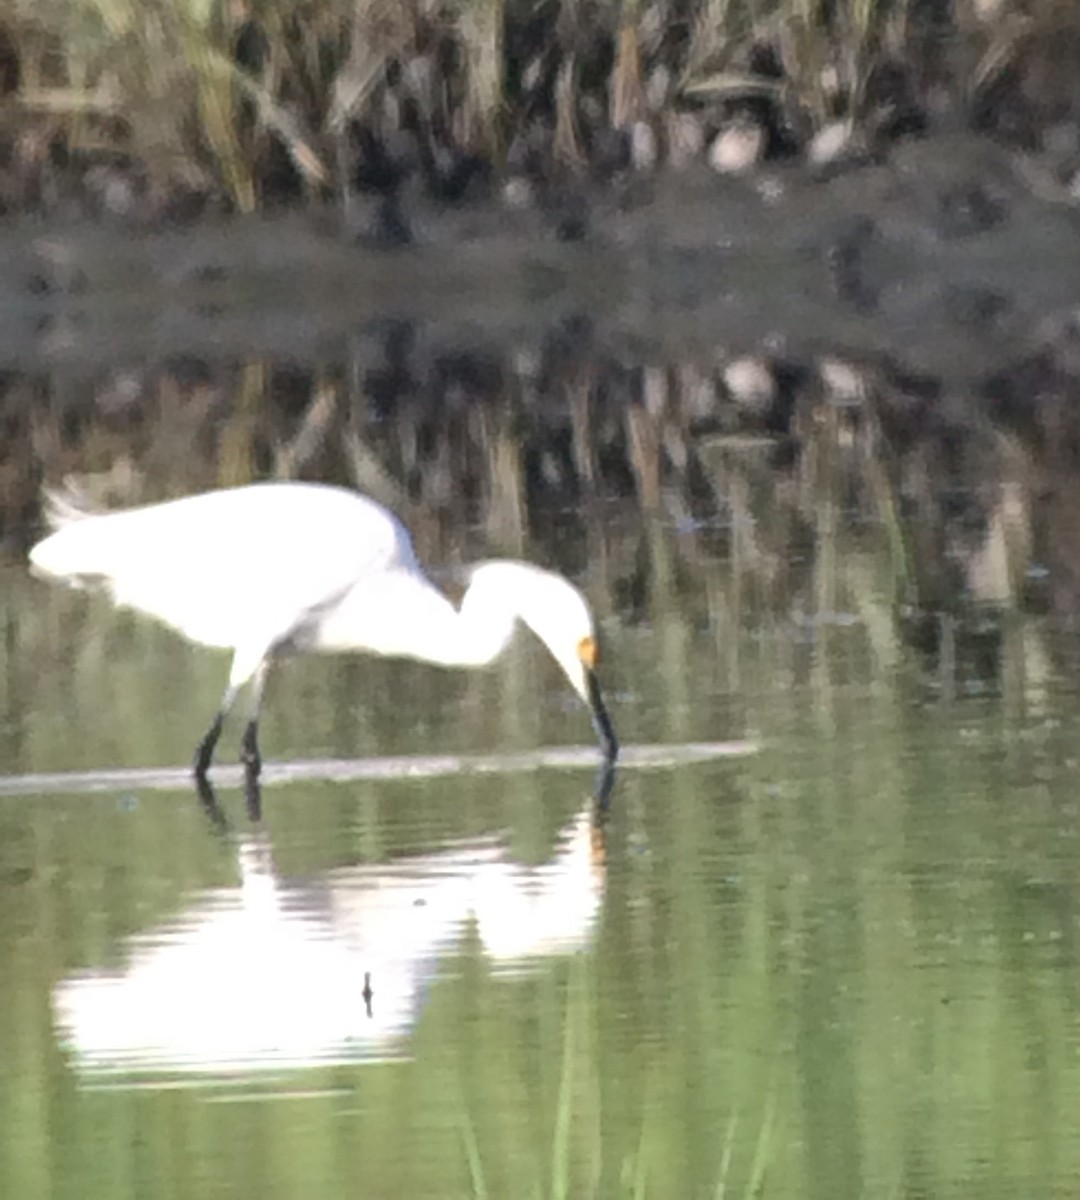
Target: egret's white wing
235 566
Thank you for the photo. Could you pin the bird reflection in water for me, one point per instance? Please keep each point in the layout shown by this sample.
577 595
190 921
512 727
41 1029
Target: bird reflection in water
281 974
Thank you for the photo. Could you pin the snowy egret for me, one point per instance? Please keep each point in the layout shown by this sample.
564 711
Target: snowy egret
278 567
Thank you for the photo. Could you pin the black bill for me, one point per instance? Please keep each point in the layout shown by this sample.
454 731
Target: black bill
605 731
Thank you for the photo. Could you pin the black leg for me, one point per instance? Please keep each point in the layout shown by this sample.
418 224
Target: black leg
252 797
205 750
249 750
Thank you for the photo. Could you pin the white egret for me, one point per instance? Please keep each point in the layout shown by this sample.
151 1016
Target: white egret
278 567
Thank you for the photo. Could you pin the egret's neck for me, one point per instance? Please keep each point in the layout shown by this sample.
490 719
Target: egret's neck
470 636
406 615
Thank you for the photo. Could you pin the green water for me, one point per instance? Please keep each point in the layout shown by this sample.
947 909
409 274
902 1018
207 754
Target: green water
845 965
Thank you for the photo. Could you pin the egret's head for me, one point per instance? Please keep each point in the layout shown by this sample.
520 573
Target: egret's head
556 611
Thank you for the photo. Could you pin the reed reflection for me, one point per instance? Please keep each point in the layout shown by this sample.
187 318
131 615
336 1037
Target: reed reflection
746 487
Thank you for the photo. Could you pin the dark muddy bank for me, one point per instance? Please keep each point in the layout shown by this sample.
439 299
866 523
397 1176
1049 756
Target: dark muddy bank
954 259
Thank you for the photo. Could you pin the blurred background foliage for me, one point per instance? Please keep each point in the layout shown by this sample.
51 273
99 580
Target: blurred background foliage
635 473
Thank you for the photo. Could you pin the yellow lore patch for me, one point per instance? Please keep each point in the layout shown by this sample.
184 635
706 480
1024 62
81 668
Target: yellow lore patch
588 651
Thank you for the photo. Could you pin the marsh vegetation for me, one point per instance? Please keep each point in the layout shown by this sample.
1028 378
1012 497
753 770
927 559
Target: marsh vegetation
158 109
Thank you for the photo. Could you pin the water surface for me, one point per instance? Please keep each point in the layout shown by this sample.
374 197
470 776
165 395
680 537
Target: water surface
842 964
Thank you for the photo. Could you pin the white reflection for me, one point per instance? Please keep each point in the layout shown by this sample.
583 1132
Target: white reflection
277 974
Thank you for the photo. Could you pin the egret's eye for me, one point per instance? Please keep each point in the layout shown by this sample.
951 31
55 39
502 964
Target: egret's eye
588 651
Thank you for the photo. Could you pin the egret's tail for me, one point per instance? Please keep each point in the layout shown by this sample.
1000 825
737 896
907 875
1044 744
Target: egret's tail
73 550
65 505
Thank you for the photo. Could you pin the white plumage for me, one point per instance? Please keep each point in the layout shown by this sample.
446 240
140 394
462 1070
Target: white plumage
291 566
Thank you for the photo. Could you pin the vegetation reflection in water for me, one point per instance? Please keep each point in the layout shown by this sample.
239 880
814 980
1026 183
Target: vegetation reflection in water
843 966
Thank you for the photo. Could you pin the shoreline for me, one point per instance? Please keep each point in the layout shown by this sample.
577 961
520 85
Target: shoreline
942 260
